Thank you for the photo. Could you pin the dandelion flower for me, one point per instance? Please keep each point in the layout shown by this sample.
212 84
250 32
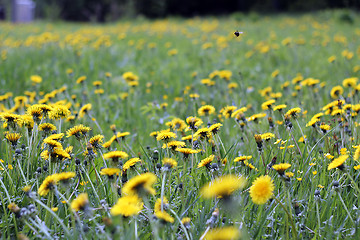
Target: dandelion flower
281 168
139 184
48 184
80 203
225 233
338 162
206 110
127 206
262 189
223 186
206 162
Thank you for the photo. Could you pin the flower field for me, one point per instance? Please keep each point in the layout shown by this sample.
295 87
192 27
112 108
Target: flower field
181 129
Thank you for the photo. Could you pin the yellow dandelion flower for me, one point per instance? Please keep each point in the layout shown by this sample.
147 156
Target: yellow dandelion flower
338 162
127 206
224 233
140 184
223 186
48 184
110 172
262 189
130 163
80 203
206 110
280 168
206 161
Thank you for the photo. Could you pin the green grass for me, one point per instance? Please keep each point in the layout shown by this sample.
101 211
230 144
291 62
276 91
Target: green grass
49 50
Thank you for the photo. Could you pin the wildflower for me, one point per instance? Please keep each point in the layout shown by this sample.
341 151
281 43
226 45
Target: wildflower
242 158
35 111
169 163
267 136
228 110
47 127
80 203
268 104
357 167
324 127
84 109
214 129
279 107
357 154
203 133
96 141
81 79
206 110
206 162
64 177
293 112
187 151
122 135
13 138
127 206
35 79
259 142
56 137
262 189
173 145
78 131
224 233
280 168
116 155
164 216
289 174
312 122
129 163
193 122
338 162
165 136
336 92
110 172
256 117
48 184
52 143
350 82
10 118
178 124
140 184
223 186
186 222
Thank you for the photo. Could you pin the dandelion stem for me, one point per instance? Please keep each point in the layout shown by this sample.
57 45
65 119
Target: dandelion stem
181 224
162 191
318 218
54 215
289 216
346 209
353 182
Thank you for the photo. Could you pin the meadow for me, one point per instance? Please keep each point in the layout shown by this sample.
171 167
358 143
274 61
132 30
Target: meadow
179 129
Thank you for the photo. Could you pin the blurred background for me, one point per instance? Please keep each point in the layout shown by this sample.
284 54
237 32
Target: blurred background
112 10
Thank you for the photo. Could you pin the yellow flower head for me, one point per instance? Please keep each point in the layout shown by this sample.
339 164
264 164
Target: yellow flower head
110 172
140 184
129 163
80 203
262 189
206 161
223 186
127 206
165 136
338 162
224 233
169 163
281 168
206 110
48 184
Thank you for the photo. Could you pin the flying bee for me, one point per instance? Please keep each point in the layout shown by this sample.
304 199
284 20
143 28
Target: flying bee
237 33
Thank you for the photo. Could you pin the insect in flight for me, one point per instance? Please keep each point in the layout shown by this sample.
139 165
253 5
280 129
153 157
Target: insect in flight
237 33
